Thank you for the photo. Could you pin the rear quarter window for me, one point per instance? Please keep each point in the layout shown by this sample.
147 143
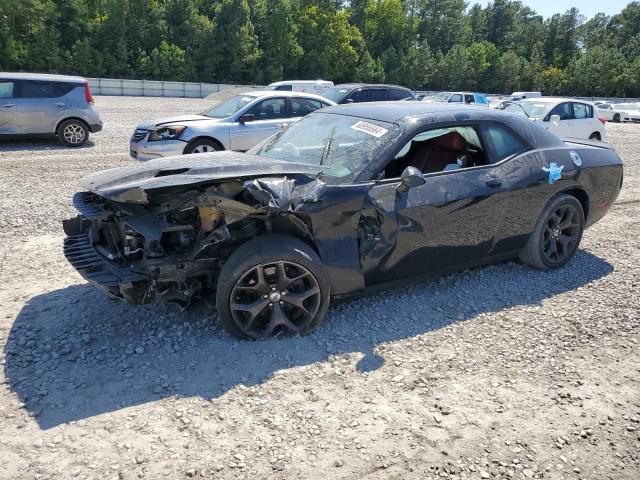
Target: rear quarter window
40 89
504 143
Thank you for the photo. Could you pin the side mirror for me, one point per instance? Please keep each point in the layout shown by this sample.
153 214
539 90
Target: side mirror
247 117
555 119
411 177
349 100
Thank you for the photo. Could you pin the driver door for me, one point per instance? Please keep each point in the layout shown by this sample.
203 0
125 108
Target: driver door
448 222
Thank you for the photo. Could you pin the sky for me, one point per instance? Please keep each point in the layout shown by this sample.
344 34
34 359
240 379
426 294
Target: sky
588 8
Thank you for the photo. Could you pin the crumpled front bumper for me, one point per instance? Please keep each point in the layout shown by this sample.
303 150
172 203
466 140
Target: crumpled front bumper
114 280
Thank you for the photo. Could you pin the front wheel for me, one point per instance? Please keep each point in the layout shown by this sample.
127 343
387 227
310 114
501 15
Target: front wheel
616 118
595 136
203 146
557 234
73 133
272 285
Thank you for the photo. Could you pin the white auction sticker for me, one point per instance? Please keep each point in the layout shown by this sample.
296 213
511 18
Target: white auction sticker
369 128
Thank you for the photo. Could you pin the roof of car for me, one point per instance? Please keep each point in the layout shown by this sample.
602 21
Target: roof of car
416 115
40 76
282 93
287 82
393 112
551 100
357 85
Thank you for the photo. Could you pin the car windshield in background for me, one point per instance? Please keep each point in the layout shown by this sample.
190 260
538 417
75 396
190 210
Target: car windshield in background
529 109
335 94
229 107
343 144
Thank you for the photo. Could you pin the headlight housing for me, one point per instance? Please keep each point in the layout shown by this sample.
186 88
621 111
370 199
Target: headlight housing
169 132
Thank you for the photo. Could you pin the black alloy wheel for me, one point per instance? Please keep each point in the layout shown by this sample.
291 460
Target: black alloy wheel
556 236
562 234
272 298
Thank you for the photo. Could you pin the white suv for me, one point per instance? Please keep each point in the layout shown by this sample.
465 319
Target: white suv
563 116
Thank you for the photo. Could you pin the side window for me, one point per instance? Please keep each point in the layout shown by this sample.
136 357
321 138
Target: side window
6 89
361 95
285 88
37 89
304 106
504 142
582 110
469 98
563 111
438 150
455 98
269 109
378 94
398 94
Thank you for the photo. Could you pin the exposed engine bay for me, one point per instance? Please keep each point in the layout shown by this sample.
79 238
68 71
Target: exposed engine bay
173 247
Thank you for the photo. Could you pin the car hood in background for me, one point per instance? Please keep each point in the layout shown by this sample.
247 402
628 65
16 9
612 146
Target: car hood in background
179 119
131 183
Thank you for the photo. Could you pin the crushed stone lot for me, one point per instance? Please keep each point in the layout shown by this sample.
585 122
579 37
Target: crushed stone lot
498 372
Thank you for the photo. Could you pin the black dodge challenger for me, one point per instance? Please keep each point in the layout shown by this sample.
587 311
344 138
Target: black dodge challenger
350 198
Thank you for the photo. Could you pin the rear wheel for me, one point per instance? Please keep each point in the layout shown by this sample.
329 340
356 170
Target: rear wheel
557 234
272 285
595 136
73 133
616 118
203 145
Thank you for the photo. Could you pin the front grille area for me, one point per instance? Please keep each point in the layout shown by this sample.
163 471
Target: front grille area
139 135
87 204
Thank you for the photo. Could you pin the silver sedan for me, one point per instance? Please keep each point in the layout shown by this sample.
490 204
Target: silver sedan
238 123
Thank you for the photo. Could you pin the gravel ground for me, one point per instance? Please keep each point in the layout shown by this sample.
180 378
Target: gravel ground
499 372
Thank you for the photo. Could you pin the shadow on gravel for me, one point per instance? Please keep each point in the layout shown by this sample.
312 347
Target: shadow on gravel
73 354
37 145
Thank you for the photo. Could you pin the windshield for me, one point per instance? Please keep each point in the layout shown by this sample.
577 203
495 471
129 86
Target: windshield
229 107
343 144
441 97
335 94
530 109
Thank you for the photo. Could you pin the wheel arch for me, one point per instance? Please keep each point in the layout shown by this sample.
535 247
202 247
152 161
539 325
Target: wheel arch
86 124
203 137
581 195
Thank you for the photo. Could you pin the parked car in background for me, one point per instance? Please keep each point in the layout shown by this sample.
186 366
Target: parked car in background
238 123
523 95
606 111
360 92
563 116
629 112
470 98
317 87
36 105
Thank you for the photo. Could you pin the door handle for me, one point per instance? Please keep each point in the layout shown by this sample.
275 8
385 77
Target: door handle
59 104
493 183
8 105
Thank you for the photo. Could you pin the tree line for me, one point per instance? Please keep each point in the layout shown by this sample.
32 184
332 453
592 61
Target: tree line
422 44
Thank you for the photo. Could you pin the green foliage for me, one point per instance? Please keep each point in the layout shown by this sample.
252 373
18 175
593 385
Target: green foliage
423 44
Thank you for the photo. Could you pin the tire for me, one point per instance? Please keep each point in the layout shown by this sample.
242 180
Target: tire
595 136
616 118
548 231
203 145
73 133
252 307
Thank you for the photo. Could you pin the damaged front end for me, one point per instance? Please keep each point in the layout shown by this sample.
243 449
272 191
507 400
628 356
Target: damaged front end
171 242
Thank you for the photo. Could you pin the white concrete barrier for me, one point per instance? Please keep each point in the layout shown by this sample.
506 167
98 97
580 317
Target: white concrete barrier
154 88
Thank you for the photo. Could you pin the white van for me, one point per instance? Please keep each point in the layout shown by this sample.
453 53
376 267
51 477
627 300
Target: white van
316 87
523 95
